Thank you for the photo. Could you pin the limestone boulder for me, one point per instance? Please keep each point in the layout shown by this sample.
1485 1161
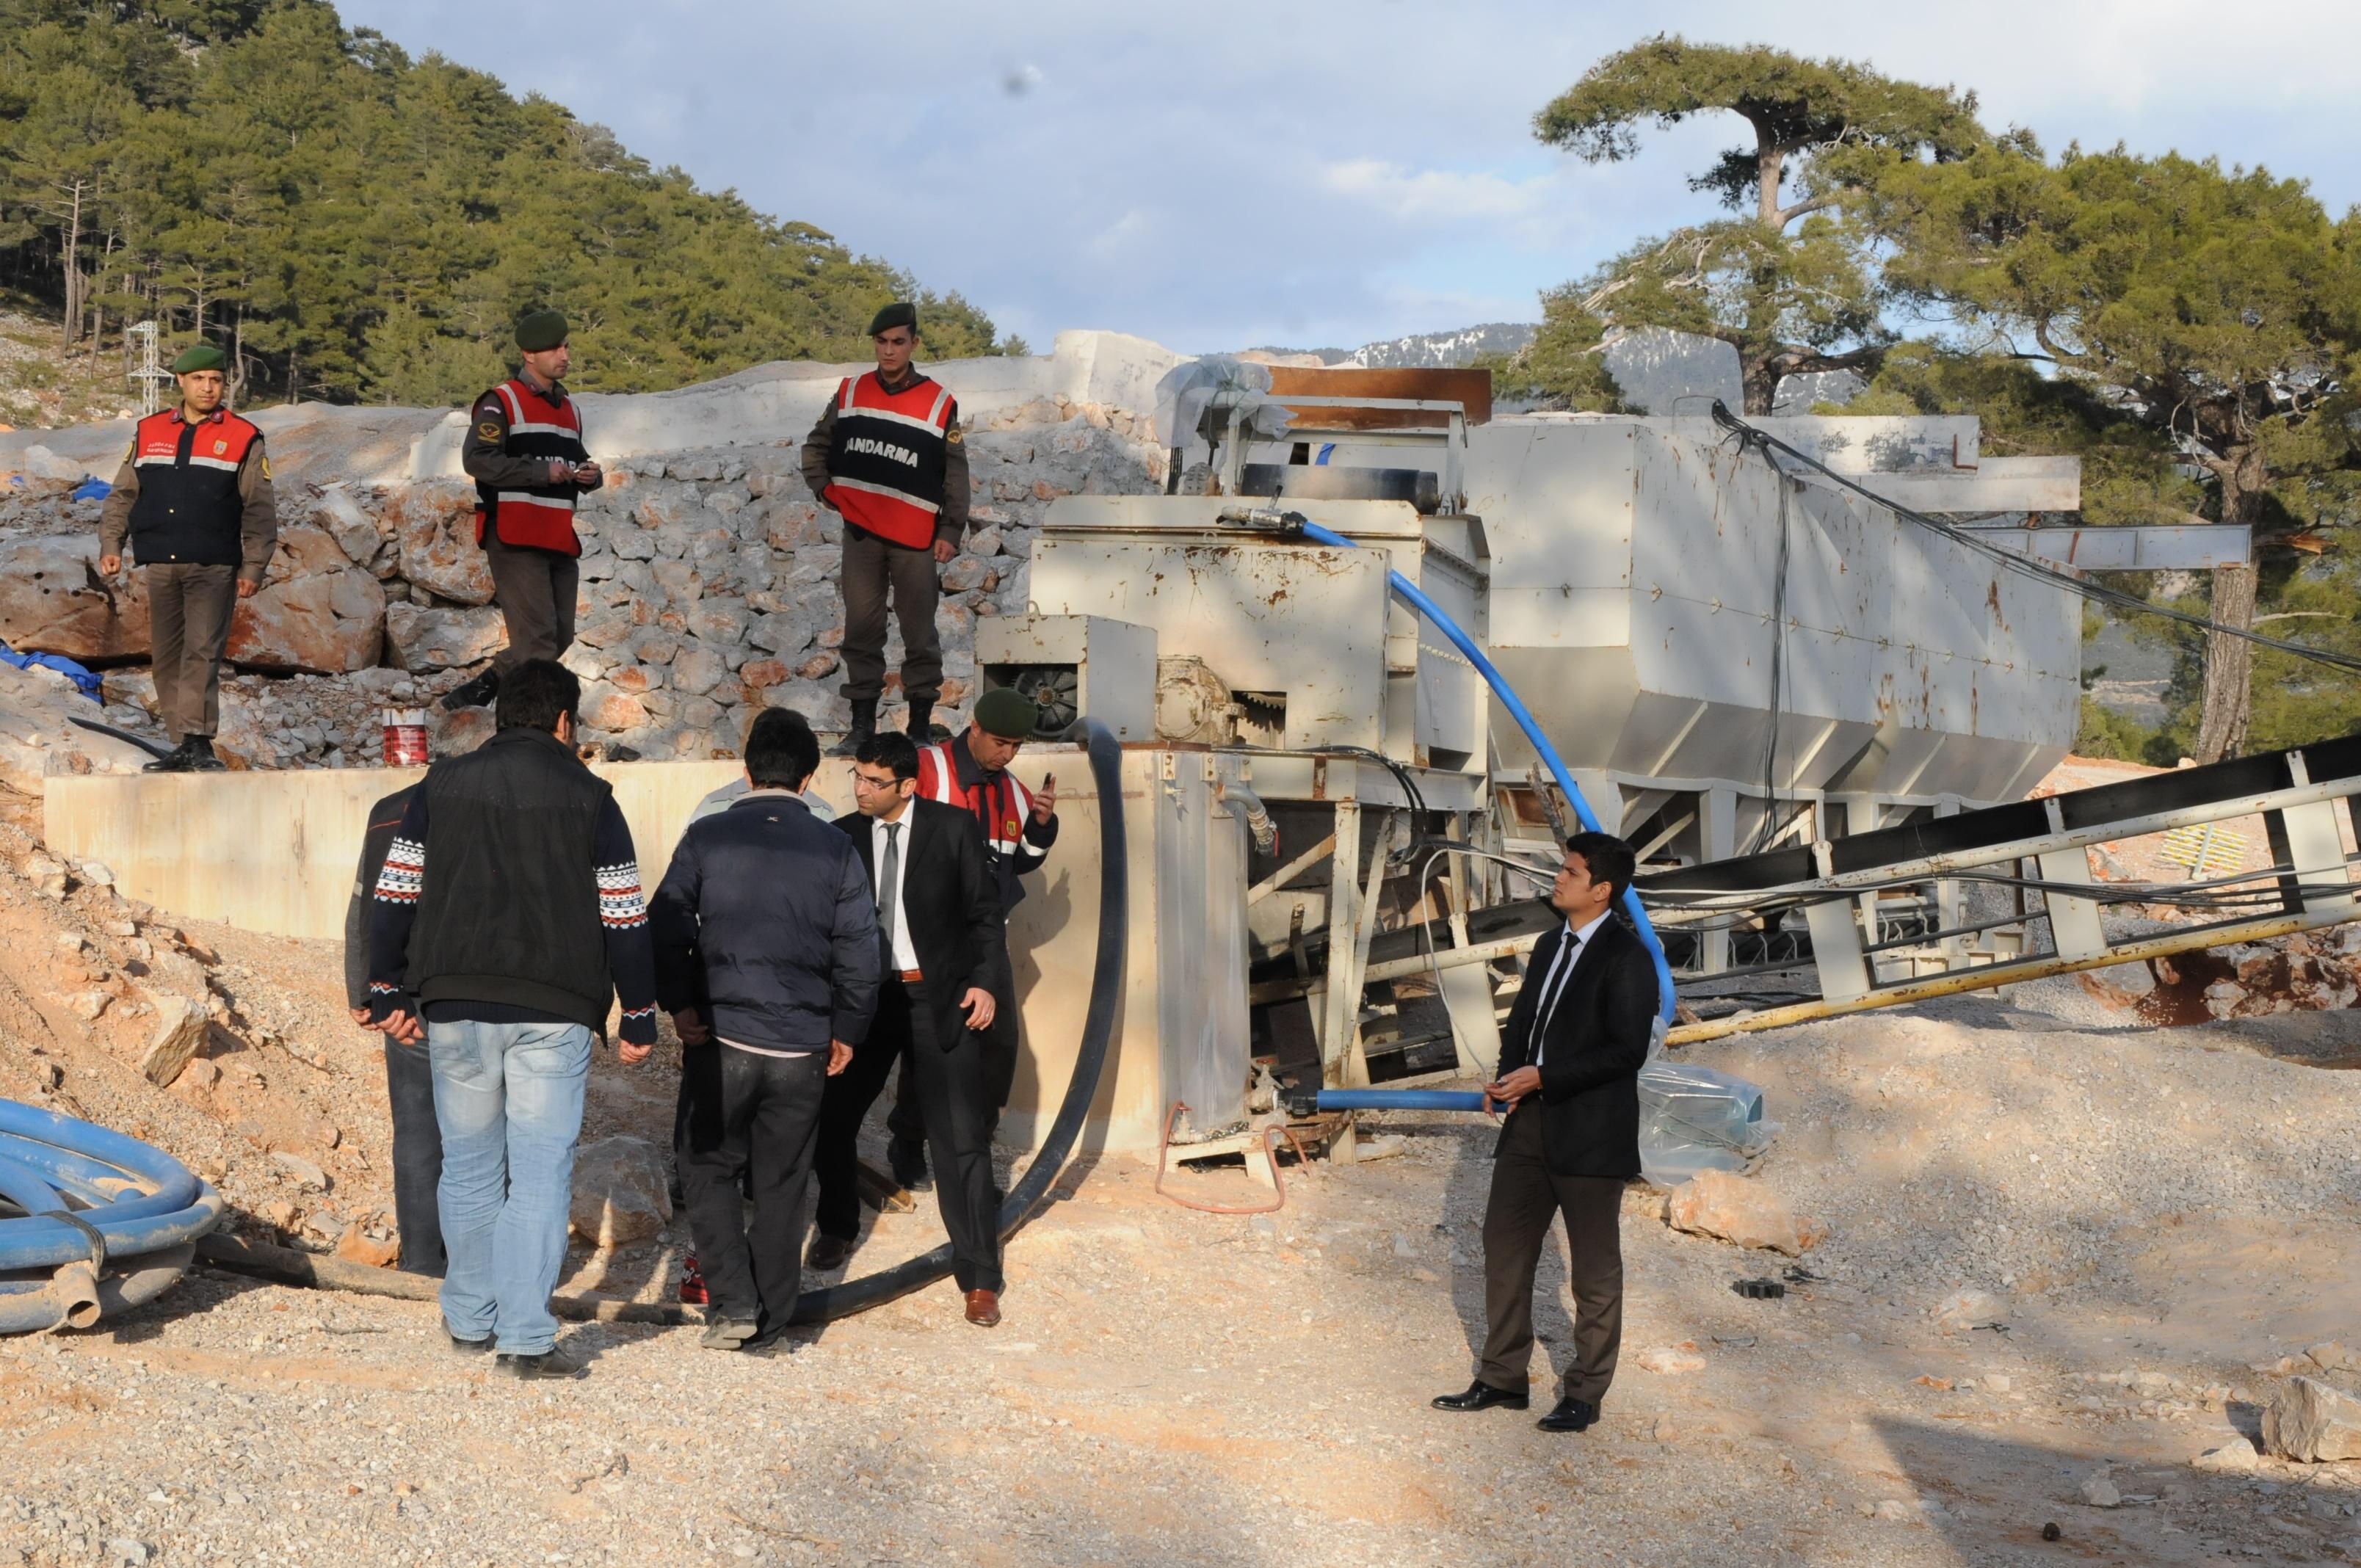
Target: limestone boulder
2309 1421
316 612
421 639
433 527
52 600
355 530
1734 1209
621 1192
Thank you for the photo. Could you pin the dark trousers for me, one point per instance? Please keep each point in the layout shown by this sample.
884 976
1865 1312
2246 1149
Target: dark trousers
417 1158
535 590
906 1125
1525 1196
953 1092
188 612
753 1116
835 1166
873 568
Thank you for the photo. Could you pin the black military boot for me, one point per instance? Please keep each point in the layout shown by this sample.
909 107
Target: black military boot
478 693
201 755
920 726
864 727
175 761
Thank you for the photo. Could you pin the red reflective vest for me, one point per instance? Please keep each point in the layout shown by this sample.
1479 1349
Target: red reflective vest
188 512
886 462
541 518
998 803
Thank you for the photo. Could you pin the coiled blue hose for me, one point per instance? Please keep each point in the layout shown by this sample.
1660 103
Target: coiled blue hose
92 1198
1518 711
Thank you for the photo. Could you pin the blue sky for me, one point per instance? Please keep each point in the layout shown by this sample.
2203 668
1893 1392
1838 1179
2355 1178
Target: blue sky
1321 173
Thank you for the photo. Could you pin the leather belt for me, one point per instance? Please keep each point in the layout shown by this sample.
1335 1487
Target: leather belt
911 977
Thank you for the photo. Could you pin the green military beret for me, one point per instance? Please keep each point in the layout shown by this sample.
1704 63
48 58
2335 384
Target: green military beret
901 312
1002 711
204 356
538 330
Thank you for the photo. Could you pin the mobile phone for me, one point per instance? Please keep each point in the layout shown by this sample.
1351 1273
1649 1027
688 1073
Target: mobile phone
1049 781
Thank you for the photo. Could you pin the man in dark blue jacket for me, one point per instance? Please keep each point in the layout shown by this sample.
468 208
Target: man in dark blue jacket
768 959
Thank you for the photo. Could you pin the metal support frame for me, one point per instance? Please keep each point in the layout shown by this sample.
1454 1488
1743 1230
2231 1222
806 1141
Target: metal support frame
2304 798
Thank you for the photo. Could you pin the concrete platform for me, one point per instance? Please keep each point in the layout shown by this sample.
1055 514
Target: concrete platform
276 851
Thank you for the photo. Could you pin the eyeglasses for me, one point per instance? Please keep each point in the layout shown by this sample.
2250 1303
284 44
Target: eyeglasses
863 781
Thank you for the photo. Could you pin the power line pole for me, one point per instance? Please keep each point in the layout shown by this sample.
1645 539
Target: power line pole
151 375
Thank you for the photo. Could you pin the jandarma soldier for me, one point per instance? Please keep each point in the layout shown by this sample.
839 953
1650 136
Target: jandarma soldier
888 456
194 501
524 451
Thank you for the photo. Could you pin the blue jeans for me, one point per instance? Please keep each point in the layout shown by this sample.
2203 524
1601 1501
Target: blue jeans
508 1098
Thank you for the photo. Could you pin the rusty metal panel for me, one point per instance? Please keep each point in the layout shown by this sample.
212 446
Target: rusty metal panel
1470 388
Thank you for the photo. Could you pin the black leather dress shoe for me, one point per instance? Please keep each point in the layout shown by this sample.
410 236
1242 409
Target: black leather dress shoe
1481 1395
1569 1415
827 1252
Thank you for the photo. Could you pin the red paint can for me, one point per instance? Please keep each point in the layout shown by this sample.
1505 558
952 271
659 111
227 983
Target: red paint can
405 737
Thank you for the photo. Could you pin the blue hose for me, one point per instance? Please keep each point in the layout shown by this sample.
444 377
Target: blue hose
1399 1100
126 1200
1540 742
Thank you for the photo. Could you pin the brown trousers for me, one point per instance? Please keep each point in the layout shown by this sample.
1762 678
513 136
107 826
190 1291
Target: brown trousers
188 612
874 567
535 590
1525 1196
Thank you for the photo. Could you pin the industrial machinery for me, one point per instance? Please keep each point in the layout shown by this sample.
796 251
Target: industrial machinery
1739 661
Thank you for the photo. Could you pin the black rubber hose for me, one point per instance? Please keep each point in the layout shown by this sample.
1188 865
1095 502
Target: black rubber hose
831 1301
150 747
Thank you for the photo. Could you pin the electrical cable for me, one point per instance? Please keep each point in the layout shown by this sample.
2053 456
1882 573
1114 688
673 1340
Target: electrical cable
828 1302
2024 565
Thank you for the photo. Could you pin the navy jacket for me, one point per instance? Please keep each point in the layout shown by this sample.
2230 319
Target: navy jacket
765 924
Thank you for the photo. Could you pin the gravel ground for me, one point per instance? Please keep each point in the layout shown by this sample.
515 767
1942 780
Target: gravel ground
2152 1215
1173 1386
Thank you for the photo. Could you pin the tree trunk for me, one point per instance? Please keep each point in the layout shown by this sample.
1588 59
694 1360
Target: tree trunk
71 322
2228 697
1759 375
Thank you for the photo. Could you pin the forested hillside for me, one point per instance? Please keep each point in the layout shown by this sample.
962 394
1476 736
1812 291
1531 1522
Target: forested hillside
355 226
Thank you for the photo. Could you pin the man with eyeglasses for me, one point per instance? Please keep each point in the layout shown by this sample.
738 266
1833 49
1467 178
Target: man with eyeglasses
939 922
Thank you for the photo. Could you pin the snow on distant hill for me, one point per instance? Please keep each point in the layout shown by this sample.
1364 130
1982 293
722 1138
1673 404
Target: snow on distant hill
1425 349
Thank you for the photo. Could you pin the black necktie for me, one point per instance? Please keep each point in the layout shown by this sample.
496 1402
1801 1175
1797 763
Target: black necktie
889 885
1568 956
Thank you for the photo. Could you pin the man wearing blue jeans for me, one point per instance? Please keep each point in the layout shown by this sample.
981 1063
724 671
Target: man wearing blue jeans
510 902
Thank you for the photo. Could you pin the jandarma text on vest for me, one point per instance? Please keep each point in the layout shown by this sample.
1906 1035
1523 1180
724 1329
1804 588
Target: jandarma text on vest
870 446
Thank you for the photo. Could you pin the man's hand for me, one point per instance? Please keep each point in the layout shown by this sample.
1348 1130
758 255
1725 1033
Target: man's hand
561 472
109 564
400 1025
980 1007
839 1056
245 589
589 476
944 551
361 1016
1515 1087
1045 799
632 1055
690 1026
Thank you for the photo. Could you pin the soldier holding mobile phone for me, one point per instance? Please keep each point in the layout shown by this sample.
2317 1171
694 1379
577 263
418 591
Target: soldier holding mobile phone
524 451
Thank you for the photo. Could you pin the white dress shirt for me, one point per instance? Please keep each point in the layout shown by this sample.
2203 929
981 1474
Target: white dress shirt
1561 969
906 957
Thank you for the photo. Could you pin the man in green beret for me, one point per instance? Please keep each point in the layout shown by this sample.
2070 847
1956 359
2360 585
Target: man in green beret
524 451
887 455
193 500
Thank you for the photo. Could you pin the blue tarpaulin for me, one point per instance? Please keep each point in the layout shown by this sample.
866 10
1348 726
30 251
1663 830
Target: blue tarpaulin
82 679
92 491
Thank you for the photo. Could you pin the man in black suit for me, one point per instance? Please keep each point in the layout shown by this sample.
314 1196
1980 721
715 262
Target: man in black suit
1570 1062
938 920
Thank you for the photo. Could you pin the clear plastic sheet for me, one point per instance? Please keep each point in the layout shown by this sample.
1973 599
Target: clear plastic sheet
1189 387
1694 1118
